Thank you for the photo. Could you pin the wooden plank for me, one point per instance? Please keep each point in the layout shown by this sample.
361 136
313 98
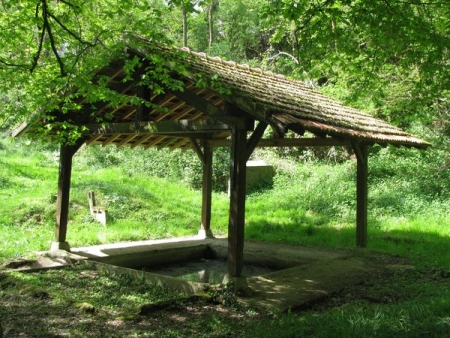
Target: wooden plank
121 88
126 140
181 144
361 152
209 109
294 142
141 140
162 103
237 202
155 141
161 127
167 143
128 115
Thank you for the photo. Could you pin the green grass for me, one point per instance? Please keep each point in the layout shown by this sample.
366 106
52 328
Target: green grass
311 204
82 302
410 307
139 206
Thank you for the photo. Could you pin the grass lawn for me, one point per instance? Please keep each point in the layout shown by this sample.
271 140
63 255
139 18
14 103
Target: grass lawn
312 205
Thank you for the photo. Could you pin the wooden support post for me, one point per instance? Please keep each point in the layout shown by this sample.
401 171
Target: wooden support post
62 201
361 152
237 202
205 230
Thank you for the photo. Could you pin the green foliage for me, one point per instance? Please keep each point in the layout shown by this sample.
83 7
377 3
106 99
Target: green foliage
239 33
423 173
388 58
236 29
393 55
50 49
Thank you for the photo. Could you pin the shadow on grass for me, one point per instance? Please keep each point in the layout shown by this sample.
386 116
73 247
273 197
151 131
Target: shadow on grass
26 309
422 248
80 302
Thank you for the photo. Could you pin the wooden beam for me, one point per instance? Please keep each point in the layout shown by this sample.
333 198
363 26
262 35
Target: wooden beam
255 138
142 140
237 202
110 140
292 142
128 115
199 103
250 106
361 152
121 88
161 127
155 141
180 144
62 200
210 110
126 140
167 143
198 150
93 139
185 111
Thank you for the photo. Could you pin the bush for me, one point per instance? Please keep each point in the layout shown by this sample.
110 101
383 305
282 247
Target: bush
424 174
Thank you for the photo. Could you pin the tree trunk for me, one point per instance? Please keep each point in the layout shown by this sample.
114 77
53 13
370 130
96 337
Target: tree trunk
211 24
185 25
211 8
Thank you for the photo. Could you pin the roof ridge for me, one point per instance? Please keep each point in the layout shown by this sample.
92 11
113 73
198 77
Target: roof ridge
240 66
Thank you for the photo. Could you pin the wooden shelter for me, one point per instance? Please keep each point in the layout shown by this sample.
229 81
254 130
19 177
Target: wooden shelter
221 104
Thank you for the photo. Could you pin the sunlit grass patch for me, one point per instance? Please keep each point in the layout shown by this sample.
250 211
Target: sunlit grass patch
310 203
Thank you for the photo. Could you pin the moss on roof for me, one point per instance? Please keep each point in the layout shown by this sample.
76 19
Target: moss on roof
292 102
266 96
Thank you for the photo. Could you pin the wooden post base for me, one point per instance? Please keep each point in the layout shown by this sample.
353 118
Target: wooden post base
60 246
239 285
202 233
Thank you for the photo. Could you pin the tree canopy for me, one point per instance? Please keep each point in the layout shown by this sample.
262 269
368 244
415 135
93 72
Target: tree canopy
390 57
49 47
394 52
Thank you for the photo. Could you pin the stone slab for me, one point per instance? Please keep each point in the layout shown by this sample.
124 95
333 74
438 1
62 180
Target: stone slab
302 285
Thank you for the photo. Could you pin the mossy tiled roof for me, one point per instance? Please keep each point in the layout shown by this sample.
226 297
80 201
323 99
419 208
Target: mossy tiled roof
264 96
295 105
